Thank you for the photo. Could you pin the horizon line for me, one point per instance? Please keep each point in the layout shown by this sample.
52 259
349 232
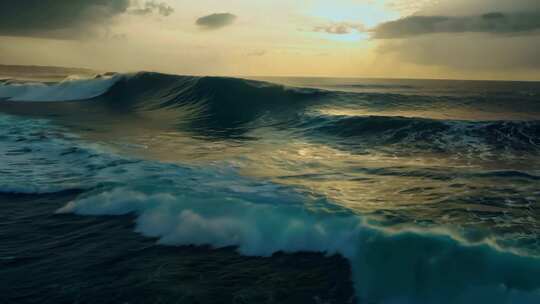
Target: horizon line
268 76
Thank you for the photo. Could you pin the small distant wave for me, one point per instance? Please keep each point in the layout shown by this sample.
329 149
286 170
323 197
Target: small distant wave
376 86
429 133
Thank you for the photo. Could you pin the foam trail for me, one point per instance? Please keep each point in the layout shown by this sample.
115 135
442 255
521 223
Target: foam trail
69 89
42 158
387 267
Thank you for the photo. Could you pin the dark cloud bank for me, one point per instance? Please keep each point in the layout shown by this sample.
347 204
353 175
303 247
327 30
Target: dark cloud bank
493 22
66 19
216 21
496 37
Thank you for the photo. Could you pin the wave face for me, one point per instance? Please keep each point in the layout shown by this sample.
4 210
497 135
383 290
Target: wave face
430 194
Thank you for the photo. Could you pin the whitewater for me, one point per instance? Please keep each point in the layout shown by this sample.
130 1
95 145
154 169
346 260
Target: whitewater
429 189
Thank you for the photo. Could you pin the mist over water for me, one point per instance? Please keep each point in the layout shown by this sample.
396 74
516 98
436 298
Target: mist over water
428 188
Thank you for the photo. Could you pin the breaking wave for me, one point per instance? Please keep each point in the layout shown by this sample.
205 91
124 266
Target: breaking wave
224 107
72 88
408 267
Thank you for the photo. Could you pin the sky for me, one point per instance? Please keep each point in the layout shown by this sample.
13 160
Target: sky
456 39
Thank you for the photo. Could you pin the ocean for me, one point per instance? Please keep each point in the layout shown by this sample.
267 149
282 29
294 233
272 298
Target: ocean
154 188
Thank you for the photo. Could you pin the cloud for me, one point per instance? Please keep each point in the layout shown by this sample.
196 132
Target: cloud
151 7
491 22
216 21
56 18
339 28
467 52
485 36
408 6
257 53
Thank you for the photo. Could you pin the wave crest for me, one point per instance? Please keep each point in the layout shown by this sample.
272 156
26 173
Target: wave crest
228 107
72 88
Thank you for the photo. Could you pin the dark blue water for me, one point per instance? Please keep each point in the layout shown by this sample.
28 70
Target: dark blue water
290 190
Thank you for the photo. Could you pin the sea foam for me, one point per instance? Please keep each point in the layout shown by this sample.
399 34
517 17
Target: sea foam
72 88
388 267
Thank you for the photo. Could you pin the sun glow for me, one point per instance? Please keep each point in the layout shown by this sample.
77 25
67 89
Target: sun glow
369 13
354 36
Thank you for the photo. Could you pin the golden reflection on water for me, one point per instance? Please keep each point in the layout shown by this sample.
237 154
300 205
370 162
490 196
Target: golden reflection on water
444 113
421 186
424 188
